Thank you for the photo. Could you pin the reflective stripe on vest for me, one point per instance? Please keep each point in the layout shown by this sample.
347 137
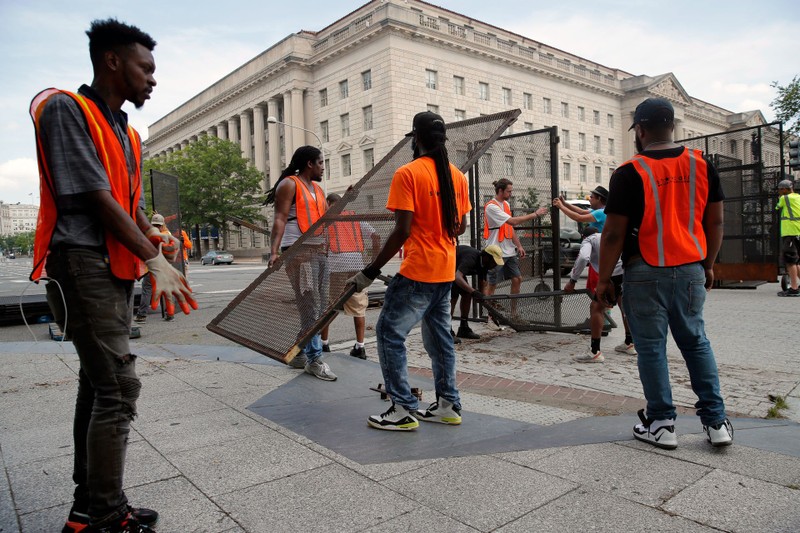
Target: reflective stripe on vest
791 216
307 207
506 230
345 236
675 198
125 189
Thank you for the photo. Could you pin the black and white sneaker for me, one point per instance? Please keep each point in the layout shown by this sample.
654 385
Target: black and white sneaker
660 433
720 434
441 411
397 418
358 351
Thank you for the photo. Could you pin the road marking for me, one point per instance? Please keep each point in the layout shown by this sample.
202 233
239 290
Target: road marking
221 292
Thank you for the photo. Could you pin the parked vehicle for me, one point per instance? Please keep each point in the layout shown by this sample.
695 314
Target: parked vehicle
217 257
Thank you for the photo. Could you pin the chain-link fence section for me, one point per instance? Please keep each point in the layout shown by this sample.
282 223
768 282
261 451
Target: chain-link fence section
749 163
166 202
291 301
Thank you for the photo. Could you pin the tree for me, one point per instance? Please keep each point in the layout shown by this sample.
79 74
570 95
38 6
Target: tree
530 200
787 105
215 182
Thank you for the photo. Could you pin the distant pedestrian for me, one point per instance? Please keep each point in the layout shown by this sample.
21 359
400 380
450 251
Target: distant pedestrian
471 262
789 207
665 217
147 288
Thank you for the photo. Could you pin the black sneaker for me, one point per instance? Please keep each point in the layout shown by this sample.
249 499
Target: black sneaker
661 437
790 292
358 351
456 340
141 319
169 318
77 521
465 332
397 418
326 347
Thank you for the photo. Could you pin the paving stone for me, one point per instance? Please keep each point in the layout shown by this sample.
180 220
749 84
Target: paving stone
8 515
421 519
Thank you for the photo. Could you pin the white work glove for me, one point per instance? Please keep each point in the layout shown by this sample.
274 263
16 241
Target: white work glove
171 245
362 280
169 282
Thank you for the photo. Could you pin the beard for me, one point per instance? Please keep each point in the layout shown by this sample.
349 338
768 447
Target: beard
638 144
414 148
316 178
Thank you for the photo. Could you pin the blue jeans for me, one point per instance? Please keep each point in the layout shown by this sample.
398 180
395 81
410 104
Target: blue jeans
657 298
99 308
405 304
308 274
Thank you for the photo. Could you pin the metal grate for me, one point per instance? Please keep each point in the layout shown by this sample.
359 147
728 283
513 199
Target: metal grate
166 202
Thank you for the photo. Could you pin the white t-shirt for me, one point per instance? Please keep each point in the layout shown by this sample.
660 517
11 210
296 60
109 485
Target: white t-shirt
495 218
351 261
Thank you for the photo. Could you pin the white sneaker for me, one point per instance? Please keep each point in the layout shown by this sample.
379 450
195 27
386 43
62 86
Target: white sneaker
492 324
720 434
589 357
627 349
320 370
397 418
659 433
441 411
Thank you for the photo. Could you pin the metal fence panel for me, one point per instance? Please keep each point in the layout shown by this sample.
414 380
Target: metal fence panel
166 202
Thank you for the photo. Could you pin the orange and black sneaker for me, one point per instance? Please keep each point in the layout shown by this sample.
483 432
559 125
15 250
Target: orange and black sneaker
136 520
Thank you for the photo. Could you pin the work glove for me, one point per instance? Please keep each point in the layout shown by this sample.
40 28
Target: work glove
171 245
477 295
169 282
364 279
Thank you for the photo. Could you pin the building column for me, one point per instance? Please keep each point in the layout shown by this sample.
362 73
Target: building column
288 135
212 131
184 145
244 120
298 119
260 157
274 142
222 131
233 131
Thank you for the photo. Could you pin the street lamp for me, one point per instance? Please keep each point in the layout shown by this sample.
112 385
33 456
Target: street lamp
273 120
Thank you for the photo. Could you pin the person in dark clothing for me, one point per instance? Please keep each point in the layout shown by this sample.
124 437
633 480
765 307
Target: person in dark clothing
471 262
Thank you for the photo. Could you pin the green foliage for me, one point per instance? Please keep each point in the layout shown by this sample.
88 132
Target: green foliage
215 182
530 200
787 105
21 242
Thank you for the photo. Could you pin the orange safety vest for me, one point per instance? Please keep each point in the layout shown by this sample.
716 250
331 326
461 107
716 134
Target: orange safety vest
308 208
345 236
675 198
506 230
125 189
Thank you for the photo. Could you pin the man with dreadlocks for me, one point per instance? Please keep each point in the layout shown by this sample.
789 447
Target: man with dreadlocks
299 202
430 200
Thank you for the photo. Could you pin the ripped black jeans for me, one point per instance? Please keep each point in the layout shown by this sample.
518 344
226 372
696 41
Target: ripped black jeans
98 318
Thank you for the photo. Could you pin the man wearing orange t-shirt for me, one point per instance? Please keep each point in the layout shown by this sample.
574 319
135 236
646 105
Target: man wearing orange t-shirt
430 200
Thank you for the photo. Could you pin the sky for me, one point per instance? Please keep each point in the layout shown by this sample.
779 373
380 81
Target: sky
726 53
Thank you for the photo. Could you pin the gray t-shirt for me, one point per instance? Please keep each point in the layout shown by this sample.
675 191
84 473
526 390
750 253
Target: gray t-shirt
75 167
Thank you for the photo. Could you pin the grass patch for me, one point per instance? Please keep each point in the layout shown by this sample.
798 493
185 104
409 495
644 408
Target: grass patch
775 410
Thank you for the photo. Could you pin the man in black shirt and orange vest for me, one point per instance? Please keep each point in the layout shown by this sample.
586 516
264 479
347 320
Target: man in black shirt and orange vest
664 215
94 240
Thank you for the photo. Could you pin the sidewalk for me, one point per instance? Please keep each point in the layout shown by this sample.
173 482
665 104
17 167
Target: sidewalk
230 441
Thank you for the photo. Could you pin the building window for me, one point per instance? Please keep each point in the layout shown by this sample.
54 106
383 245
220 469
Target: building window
344 89
581 114
582 141
597 144
610 120
367 117
431 77
597 176
323 128
565 109
506 96
369 158
486 163
565 170
345 123
733 147
530 167
458 85
611 147
610 172
583 173
433 108
366 79
527 100
529 126
461 114
596 117
483 91
565 138
323 97
346 171
547 106
508 165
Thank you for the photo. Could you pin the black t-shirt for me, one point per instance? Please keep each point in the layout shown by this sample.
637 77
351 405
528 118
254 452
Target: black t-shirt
626 196
468 262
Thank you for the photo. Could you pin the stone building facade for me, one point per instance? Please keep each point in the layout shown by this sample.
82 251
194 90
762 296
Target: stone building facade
357 83
17 218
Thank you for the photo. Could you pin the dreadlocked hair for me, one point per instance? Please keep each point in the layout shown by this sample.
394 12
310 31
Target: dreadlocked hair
300 159
433 140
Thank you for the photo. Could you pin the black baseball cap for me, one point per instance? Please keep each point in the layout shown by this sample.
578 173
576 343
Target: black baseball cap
426 121
653 111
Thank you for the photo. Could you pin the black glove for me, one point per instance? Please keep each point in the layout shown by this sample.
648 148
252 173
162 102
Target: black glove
477 295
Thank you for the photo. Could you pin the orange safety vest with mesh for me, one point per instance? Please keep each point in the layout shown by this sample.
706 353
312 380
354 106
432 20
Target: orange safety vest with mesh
125 188
675 198
506 230
345 236
307 208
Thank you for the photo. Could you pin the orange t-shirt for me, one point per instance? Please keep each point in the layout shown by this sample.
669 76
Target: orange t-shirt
430 254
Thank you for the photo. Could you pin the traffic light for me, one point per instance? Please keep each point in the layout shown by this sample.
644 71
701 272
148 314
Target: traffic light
794 155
